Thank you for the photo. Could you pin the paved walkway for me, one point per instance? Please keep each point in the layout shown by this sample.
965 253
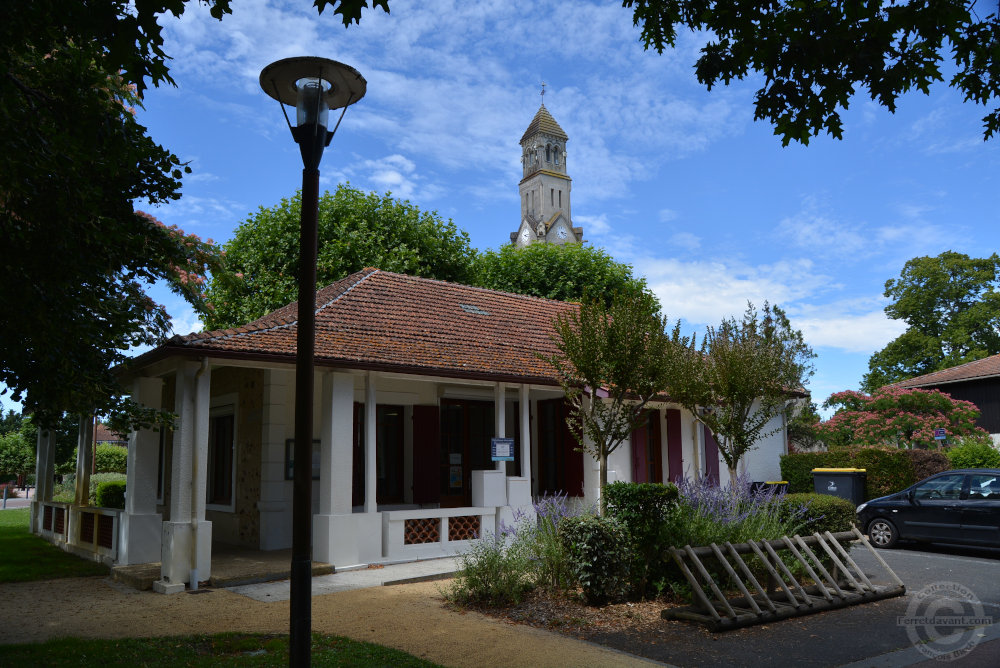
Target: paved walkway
417 571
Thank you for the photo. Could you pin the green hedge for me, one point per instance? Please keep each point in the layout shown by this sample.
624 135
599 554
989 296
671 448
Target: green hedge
927 462
974 456
598 556
886 470
642 509
823 512
110 494
110 458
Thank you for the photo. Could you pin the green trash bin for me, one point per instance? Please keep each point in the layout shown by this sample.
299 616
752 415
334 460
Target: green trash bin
846 483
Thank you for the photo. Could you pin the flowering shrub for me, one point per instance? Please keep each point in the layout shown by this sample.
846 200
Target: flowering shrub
708 513
499 570
896 417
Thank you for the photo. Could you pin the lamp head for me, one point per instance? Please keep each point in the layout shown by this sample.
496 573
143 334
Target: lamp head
313 86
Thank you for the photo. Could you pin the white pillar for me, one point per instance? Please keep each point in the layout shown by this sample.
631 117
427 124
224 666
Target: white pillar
186 543
275 505
340 536
336 476
84 457
525 432
45 457
371 475
139 530
500 411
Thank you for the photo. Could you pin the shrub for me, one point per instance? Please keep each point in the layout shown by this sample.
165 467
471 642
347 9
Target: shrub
110 494
492 573
642 509
110 458
927 462
973 455
822 512
598 555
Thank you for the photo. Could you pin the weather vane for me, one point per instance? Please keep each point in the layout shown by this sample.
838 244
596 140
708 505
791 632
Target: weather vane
543 91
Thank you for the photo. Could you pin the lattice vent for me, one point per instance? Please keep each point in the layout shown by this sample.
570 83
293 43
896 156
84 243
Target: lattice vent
421 530
463 527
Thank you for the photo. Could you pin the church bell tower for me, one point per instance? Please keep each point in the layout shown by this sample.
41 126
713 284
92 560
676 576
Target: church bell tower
545 186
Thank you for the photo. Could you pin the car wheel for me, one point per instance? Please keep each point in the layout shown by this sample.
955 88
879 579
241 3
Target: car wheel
882 533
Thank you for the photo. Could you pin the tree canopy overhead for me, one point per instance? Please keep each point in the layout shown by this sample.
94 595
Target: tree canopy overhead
356 230
951 306
815 56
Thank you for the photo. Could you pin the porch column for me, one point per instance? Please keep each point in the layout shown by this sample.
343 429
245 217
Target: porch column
45 464
371 475
186 549
340 536
139 530
275 504
336 472
500 411
525 433
84 458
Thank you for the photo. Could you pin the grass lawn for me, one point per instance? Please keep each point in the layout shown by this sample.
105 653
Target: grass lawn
228 649
26 557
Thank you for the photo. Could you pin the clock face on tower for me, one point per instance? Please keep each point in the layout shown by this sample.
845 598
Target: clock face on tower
561 233
525 235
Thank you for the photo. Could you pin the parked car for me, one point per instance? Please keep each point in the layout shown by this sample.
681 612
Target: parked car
961 506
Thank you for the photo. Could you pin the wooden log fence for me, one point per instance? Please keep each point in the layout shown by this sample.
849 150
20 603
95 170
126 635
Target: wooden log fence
784 596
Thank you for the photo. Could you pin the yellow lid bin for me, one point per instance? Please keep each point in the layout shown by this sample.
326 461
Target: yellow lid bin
847 483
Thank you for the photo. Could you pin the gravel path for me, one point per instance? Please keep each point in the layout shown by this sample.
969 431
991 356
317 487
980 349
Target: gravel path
410 617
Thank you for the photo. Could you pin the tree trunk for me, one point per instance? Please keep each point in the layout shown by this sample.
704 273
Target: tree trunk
602 506
732 476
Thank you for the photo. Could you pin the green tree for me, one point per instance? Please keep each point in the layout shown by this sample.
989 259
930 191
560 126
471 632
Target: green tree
612 360
951 306
742 377
564 272
356 230
814 56
802 426
77 256
895 417
17 455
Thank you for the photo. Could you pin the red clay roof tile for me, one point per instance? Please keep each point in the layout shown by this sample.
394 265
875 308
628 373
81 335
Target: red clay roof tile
384 319
985 368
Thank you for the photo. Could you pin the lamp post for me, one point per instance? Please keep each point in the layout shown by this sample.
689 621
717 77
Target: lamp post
313 86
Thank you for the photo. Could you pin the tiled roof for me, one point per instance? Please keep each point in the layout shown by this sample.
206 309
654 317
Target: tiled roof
543 122
382 320
987 367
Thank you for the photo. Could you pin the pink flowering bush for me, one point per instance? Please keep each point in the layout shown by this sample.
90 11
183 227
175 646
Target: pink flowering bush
897 417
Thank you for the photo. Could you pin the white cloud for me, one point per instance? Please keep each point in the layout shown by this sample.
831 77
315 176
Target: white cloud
667 215
685 241
593 225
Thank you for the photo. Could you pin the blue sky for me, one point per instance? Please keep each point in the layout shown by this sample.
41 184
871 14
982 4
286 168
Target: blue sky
677 181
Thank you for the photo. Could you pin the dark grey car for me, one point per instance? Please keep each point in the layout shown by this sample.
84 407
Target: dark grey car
961 506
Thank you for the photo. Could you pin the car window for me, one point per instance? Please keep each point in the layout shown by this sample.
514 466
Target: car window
944 487
984 486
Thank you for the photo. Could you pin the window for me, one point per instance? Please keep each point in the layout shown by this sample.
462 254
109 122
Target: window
548 153
984 486
560 199
945 487
555 155
221 460
552 196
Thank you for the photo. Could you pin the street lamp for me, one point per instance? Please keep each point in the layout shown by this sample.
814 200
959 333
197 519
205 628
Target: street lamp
313 86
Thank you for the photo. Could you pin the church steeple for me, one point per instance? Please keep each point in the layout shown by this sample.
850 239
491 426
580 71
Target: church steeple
545 186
